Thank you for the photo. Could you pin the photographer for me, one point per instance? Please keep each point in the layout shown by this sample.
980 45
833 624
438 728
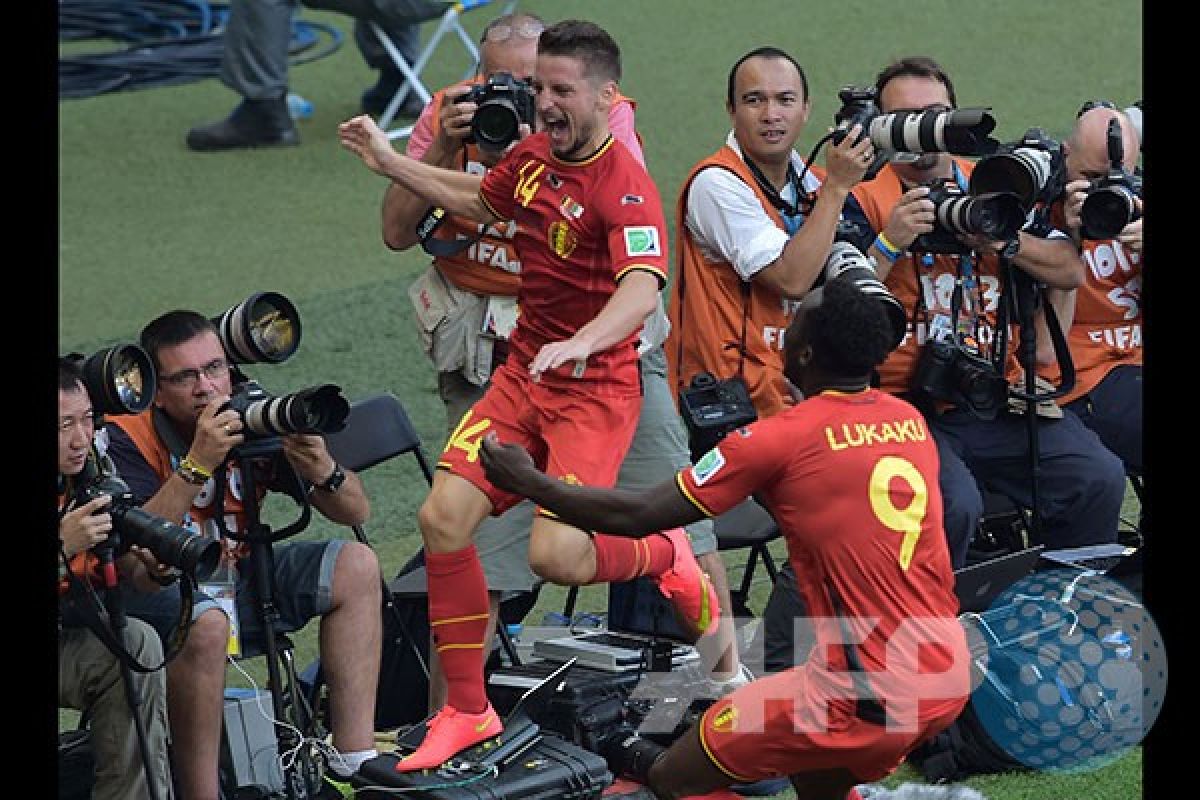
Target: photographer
1103 317
168 456
1081 484
485 277
569 388
863 531
89 674
749 246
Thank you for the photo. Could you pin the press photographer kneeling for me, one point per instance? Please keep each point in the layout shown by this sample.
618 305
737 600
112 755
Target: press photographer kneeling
181 459
99 648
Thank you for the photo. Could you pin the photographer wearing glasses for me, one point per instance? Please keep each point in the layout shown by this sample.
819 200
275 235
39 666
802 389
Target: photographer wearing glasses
169 455
953 295
89 673
1103 317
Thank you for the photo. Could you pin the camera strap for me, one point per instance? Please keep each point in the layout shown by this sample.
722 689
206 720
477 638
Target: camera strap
793 213
82 606
1062 351
435 247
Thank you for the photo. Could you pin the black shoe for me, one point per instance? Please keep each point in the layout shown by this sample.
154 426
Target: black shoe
261 122
375 100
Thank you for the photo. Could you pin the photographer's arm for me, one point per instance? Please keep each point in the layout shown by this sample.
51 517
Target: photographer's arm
793 273
439 147
457 192
636 296
172 497
348 505
1054 262
911 217
1064 309
622 512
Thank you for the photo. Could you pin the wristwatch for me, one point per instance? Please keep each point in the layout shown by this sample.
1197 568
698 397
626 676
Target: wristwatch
335 480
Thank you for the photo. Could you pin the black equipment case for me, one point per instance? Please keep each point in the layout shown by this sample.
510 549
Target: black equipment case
552 768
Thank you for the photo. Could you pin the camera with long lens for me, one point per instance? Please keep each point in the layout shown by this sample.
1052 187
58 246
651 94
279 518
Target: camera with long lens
961 131
119 379
265 327
712 408
1109 205
502 102
846 259
998 215
952 373
171 544
317 409
1034 169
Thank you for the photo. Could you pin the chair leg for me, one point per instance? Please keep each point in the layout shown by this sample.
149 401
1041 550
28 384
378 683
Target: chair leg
569 606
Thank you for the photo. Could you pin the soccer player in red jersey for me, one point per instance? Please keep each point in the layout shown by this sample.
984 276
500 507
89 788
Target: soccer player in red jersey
851 475
592 244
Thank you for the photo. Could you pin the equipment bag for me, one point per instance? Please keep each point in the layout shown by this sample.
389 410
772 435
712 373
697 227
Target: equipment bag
1056 689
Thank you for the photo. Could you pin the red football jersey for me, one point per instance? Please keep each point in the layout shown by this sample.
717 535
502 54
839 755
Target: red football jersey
581 226
852 481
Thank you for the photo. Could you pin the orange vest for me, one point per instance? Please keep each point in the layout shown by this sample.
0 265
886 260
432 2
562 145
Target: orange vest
491 265
1106 330
201 517
708 304
878 197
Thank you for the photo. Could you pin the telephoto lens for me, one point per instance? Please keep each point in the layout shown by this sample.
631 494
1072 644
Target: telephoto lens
263 327
171 544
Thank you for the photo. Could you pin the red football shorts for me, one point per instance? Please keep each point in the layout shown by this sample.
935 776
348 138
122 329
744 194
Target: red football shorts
782 725
572 434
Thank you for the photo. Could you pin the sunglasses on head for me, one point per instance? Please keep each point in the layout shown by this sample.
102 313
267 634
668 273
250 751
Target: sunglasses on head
526 30
1090 104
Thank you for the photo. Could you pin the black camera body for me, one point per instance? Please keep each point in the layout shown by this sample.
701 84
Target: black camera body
996 215
858 108
712 408
1109 205
950 373
171 544
317 409
502 102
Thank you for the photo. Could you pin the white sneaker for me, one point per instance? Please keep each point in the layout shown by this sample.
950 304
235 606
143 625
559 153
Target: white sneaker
720 688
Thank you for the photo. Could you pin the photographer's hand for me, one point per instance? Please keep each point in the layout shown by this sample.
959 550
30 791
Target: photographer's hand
217 432
912 216
308 455
1074 194
846 164
454 117
141 568
1131 234
86 526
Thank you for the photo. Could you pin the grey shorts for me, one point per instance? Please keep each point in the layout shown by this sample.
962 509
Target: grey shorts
303 581
659 448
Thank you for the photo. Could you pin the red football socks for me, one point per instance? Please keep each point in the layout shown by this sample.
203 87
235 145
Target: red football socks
619 558
458 615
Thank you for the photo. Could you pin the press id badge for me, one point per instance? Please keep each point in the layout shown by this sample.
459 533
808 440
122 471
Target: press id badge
224 594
